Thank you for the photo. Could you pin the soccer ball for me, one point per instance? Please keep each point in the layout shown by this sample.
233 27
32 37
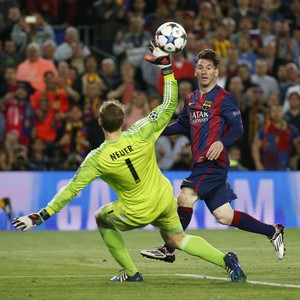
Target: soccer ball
171 37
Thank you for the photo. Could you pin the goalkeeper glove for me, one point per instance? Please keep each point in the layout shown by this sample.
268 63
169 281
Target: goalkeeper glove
159 59
32 220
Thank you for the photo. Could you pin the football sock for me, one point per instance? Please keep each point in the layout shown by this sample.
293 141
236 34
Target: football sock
197 246
245 222
116 246
185 216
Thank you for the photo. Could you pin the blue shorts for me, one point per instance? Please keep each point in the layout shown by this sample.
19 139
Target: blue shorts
210 182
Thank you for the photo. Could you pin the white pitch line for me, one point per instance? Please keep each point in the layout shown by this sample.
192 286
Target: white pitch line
179 275
248 281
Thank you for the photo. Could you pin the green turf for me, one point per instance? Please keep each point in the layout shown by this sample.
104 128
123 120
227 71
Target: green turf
77 265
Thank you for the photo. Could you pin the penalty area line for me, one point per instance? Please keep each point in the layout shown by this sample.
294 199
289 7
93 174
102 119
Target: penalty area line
150 275
248 281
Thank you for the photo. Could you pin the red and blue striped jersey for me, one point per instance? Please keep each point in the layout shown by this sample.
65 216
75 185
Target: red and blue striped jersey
210 118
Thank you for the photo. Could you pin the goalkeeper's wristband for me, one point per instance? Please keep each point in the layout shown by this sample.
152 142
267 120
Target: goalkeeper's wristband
44 214
167 70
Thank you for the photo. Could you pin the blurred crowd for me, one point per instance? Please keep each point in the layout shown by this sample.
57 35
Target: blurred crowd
51 88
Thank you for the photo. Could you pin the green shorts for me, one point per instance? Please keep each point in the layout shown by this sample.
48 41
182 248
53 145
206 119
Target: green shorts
166 218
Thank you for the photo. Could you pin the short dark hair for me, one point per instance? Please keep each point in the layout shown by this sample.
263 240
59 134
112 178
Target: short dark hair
209 54
112 115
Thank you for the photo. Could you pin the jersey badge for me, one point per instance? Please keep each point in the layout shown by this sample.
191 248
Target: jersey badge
153 116
206 105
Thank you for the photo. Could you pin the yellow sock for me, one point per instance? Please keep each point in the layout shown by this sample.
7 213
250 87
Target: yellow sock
197 246
116 246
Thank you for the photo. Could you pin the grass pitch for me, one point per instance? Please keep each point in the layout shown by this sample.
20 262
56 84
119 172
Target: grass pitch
77 265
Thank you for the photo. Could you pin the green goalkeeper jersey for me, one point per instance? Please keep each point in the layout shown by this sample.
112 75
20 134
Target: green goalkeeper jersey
128 164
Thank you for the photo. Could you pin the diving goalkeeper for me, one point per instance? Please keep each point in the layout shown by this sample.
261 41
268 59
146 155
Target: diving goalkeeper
127 162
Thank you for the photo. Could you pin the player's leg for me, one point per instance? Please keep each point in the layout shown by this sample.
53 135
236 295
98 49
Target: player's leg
196 246
219 206
172 233
185 200
107 219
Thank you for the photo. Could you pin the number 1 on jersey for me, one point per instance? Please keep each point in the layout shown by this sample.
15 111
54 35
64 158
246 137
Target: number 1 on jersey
132 170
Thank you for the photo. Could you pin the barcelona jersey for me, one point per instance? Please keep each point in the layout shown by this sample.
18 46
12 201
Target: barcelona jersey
208 117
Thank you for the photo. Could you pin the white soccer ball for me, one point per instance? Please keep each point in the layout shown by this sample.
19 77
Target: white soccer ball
171 37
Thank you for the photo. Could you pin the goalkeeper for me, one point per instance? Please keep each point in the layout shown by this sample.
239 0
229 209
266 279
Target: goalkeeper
127 162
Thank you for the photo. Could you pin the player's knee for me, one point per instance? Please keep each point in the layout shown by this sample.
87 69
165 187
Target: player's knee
98 219
223 219
173 240
224 214
187 197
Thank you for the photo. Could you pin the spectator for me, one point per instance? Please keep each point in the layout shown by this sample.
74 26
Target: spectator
264 31
50 105
270 9
243 29
283 82
246 54
287 48
235 155
207 18
191 49
18 112
125 86
9 56
48 50
16 30
223 78
184 88
292 116
38 158
293 72
154 100
137 108
108 73
229 25
133 46
74 137
137 9
34 67
274 143
243 9
269 54
39 29
90 103
9 84
255 114
236 88
164 153
182 154
273 99
109 19
188 22
77 58
64 50
243 71
90 74
232 62
67 82
267 83
220 43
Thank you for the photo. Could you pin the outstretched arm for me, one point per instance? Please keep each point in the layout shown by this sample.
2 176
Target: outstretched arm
86 173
